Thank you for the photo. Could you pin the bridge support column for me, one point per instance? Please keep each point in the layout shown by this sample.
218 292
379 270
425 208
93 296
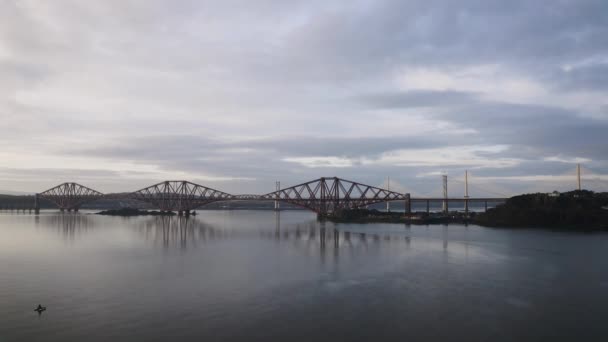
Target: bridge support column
277 204
486 205
187 212
428 207
408 204
37 204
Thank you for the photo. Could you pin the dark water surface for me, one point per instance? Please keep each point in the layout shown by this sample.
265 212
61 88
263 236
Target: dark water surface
251 275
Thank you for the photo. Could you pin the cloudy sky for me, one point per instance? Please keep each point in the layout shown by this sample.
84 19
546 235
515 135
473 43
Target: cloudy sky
118 94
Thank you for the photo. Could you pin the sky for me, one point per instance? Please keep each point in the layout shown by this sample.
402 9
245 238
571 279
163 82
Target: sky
235 95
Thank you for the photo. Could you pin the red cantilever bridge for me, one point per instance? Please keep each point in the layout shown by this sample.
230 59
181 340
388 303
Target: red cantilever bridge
324 196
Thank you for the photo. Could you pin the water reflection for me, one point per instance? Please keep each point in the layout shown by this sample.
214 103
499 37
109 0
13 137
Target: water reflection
180 232
254 275
68 224
309 236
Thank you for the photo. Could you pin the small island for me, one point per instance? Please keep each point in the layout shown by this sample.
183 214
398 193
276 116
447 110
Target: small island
575 210
134 212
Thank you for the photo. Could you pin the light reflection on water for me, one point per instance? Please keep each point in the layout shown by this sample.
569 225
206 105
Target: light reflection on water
242 275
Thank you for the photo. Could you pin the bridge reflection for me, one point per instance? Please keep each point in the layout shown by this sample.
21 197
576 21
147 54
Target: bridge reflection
68 224
310 237
180 232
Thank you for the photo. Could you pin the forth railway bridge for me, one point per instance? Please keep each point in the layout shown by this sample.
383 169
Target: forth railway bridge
324 196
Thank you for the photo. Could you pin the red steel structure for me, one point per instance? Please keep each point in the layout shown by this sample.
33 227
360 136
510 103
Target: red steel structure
180 196
70 196
324 196
327 195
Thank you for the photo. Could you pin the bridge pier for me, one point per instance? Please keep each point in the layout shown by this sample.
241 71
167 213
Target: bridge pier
37 204
187 213
277 204
408 204
428 207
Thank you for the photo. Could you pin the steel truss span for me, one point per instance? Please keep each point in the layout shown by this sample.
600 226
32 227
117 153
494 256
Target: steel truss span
70 195
179 195
324 196
328 195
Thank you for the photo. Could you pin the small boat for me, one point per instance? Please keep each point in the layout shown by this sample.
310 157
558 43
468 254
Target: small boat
40 309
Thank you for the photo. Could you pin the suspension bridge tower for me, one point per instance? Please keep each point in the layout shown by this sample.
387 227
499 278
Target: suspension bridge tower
445 193
466 192
578 176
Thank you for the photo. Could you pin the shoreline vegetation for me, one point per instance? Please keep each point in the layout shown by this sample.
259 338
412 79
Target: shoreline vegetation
580 210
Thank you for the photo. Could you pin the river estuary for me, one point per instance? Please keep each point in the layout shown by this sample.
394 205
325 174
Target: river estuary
259 275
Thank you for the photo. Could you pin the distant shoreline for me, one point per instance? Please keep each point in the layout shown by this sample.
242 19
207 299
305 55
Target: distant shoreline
579 210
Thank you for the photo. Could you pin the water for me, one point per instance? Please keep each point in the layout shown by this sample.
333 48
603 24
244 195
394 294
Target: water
250 275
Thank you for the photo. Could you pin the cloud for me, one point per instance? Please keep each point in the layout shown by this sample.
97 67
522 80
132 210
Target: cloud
419 98
562 159
238 94
318 162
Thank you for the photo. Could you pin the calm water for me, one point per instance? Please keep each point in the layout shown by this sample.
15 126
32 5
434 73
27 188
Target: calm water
253 275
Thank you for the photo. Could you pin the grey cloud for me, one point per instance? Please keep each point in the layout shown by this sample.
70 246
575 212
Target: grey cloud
592 77
391 33
232 88
184 147
419 98
537 130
